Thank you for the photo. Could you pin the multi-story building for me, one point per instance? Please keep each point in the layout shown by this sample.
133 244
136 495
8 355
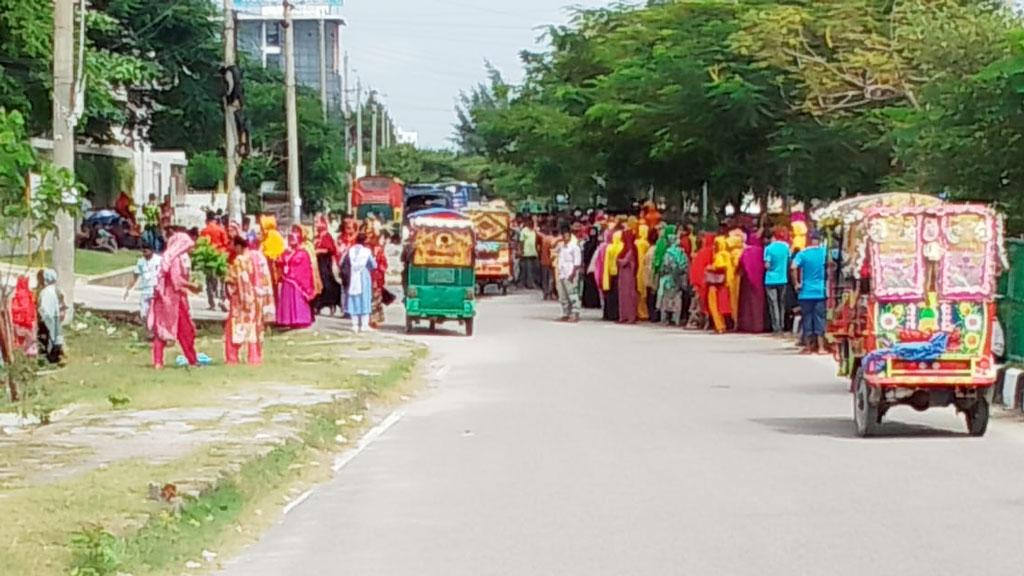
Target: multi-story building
318 25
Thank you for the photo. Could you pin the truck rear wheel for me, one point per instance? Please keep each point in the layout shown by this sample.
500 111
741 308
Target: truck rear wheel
865 416
977 418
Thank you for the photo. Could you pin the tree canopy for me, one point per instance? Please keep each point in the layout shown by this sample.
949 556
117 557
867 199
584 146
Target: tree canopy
807 99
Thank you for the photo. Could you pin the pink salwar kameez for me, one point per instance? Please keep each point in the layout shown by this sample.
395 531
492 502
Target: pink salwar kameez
170 318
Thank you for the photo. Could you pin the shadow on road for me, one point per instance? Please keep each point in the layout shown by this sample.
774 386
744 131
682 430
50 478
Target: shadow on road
843 428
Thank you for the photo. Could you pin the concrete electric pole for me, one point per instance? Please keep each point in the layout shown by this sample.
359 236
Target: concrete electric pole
359 128
345 117
294 197
323 67
64 141
375 111
235 208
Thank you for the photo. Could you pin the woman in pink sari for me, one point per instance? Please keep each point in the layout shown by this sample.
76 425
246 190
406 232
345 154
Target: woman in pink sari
750 317
170 318
296 289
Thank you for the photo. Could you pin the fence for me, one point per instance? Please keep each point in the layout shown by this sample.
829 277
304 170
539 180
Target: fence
1011 306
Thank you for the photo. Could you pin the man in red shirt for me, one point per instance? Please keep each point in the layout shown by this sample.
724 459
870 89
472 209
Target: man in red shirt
218 238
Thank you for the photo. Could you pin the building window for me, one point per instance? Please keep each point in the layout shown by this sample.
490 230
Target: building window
273 34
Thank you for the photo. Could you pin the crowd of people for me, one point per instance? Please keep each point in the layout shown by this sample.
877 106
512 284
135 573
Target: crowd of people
337 269
270 279
746 276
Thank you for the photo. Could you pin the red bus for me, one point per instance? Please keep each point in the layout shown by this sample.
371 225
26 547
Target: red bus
379 195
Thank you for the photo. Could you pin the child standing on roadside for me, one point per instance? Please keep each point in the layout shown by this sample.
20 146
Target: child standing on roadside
146 270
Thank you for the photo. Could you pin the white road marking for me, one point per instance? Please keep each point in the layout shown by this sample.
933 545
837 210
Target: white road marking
294 503
349 456
368 439
441 372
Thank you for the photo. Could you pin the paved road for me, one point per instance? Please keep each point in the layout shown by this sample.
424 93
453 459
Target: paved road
552 449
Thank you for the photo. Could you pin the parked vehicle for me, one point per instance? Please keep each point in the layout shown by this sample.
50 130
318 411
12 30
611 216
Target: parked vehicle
440 283
912 285
493 225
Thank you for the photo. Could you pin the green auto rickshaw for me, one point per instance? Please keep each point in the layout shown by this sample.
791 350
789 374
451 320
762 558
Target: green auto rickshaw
440 280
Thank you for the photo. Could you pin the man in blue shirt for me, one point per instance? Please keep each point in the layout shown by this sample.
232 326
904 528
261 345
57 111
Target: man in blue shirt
809 265
776 278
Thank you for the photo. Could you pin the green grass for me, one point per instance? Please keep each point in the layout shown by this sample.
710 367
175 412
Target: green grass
114 361
87 262
103 520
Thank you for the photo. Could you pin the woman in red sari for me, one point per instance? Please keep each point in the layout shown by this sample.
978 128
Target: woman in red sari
23 318
379 275
326 257
698 279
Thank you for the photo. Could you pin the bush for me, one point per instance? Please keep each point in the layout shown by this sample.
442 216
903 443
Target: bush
205 170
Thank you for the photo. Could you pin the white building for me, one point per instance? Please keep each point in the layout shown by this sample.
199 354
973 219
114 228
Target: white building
407 137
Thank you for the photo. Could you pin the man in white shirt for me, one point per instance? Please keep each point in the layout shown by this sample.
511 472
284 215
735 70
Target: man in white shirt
570 265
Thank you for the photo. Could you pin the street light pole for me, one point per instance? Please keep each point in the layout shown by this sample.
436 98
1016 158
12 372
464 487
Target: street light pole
294 196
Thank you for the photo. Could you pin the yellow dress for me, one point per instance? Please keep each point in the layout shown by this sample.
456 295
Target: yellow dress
642 246
611 257
721 263
735 244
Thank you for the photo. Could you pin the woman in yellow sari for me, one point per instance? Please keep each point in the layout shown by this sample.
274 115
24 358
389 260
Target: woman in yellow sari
609 278
643 245
720 274
736 242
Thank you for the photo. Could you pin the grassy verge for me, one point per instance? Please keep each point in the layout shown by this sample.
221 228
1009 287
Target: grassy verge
111 364
87 262
104 521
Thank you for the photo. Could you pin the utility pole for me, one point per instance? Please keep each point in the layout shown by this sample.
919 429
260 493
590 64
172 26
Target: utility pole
359 126
64 141
344 108
230 128
294 197
323 67
373 135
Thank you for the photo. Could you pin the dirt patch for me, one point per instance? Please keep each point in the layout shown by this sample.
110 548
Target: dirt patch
82 442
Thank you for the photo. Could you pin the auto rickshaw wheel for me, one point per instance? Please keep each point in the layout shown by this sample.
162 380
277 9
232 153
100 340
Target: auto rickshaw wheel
504 288
977 418
408 324
433 325
865 416
469 326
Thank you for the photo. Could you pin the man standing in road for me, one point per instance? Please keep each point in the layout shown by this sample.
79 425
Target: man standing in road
809 265
776 278
570 265
528 251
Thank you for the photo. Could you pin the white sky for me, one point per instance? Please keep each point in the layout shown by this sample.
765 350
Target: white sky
421 53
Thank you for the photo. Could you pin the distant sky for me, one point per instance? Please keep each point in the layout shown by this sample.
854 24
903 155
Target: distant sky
420 53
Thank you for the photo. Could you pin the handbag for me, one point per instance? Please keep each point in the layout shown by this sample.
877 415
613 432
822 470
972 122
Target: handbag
387 297
712 278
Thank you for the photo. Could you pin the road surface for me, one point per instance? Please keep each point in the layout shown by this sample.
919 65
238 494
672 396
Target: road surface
595 449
